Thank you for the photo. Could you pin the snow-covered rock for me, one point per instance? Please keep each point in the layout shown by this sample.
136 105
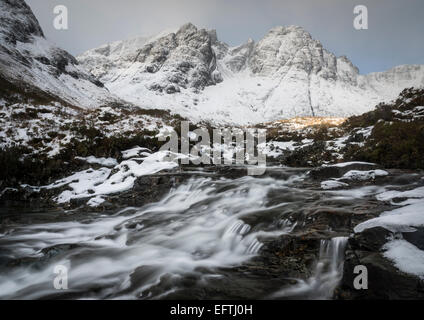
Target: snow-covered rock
364 175
402 219
406 257
93 184
332 184
286 74
190 72
33 64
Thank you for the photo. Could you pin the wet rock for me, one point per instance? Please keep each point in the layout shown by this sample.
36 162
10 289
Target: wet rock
146 189
385 281
27 197
279 262
416 237
333 219
292 256
370 239
50 252
326 172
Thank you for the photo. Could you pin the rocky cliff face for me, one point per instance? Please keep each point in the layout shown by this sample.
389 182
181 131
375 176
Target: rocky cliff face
190 72
165 63
286 74
29 62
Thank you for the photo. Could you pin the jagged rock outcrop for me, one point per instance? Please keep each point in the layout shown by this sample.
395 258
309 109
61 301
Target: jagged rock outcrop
191 72
385 280
285 74
184 59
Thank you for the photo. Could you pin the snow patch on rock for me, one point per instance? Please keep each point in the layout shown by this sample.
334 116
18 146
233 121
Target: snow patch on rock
405 256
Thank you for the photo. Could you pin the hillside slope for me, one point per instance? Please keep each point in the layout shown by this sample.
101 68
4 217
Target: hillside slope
31 64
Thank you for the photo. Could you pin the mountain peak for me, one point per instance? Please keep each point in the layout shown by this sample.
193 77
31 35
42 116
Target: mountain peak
285 74
293 30
187 27
290 46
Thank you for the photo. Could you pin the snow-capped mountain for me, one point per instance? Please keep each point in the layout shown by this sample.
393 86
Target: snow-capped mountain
286 74
190 72
31 63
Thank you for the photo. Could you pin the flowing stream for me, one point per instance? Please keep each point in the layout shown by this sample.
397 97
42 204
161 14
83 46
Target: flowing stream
207 238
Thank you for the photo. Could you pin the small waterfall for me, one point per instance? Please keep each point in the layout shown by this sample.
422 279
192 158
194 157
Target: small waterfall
327 275
332 253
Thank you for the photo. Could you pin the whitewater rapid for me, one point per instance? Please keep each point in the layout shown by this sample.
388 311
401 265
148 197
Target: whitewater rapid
213 235
197 225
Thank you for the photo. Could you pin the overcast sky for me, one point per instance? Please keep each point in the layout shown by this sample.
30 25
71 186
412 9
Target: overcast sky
395 34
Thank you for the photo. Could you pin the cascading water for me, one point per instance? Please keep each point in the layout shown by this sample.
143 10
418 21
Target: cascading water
210 237
328 273
135 252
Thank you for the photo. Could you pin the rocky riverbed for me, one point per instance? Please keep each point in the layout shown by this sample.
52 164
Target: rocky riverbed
86 187
216 233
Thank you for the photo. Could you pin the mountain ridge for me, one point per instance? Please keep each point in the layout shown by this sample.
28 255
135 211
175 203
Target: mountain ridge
285 74
190 72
